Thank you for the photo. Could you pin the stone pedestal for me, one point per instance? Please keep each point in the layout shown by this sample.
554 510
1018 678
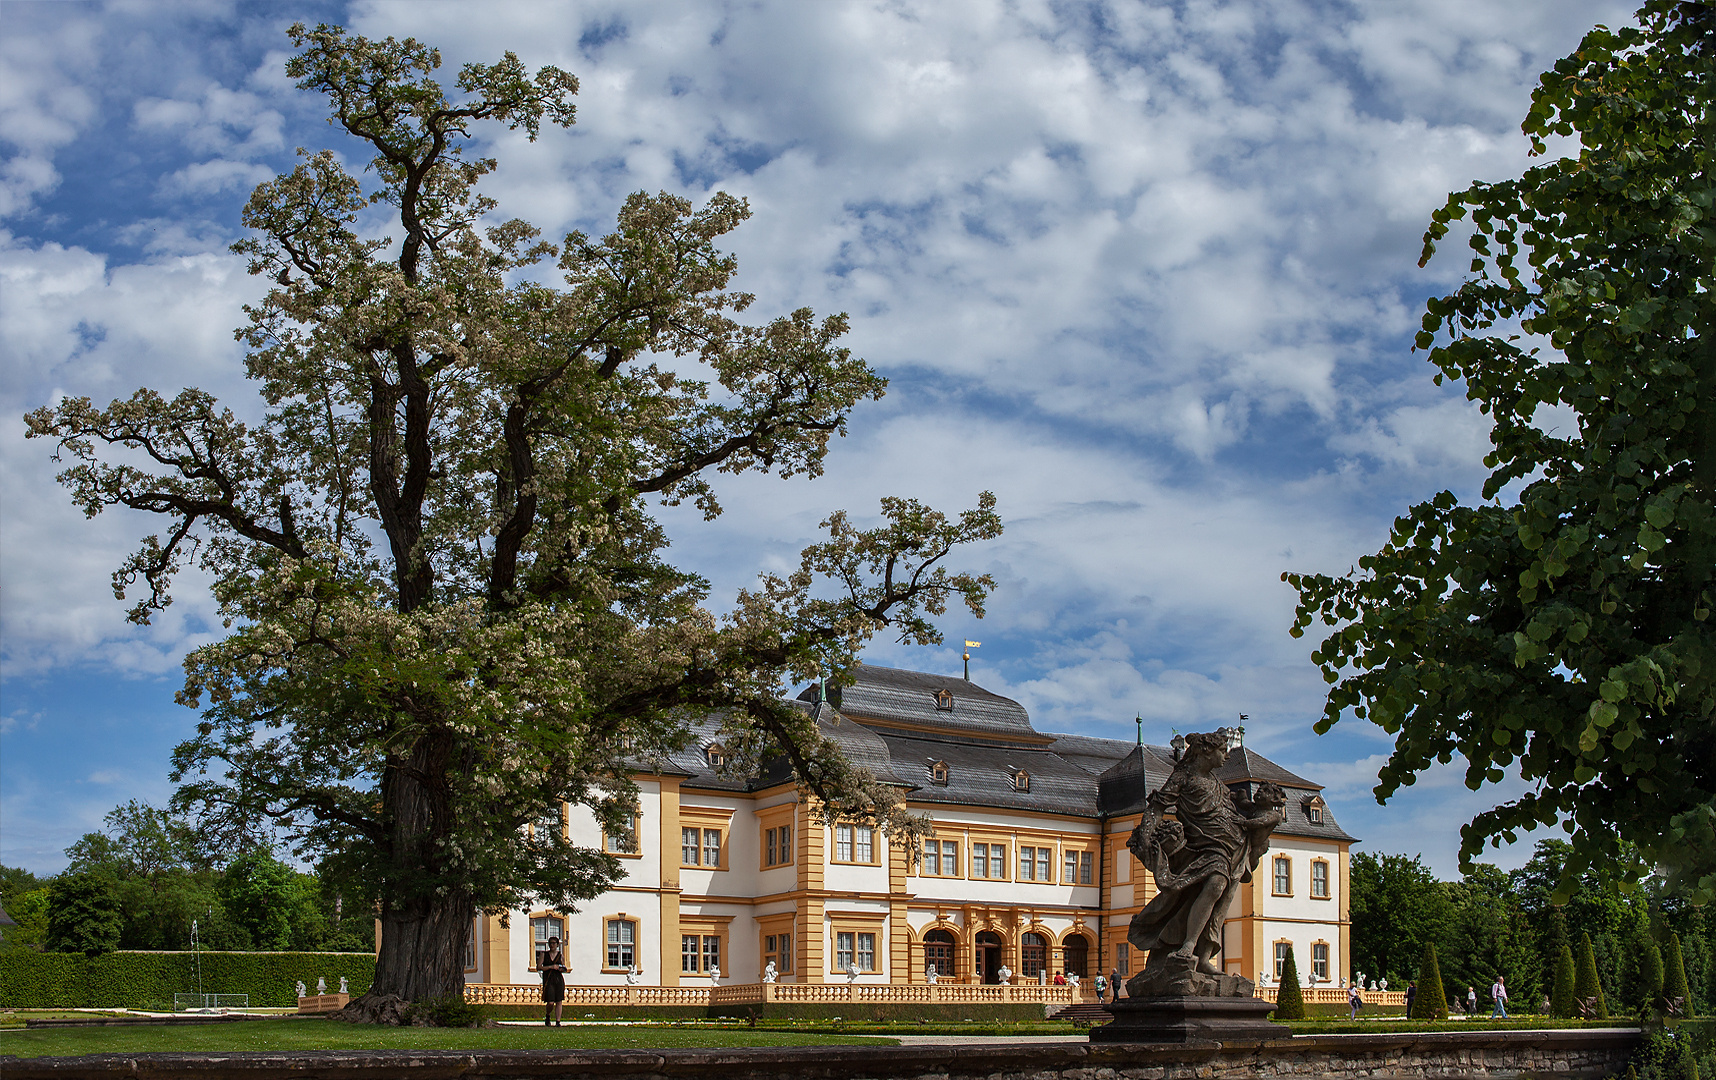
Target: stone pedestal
1181 1019
322 1003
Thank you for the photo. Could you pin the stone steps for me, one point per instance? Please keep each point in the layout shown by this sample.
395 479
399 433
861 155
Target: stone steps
1085 1012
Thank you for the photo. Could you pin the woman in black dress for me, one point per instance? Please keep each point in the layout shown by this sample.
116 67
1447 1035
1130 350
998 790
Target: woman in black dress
553 982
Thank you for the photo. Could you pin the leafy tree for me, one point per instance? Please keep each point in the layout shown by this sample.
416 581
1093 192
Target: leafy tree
1566 634
1289 998
1488 936
30 911
1674 985
1651 978
83 914
260 893
449 598
1563 999
138 840
1432 1001
1398 906
1587 988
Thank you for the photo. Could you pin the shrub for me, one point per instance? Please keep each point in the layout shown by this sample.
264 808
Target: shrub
1432 1000
451 1011
32 980
1562 1001
1289 1000
1587 988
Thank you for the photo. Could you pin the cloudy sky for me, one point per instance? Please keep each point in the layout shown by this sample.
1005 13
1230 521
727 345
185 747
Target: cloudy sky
1146 270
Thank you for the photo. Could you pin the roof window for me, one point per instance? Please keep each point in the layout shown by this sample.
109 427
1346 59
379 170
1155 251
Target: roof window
1021 780
944 700
715 755
938 773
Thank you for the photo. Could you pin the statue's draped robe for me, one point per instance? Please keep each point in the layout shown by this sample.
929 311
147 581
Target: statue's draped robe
1216 844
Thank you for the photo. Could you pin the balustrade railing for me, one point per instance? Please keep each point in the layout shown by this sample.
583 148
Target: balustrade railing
757 993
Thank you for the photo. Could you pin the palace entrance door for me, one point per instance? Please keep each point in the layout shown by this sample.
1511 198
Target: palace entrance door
986 960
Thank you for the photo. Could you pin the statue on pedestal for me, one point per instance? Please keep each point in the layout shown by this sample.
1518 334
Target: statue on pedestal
931 975
769 973
321 986
1199 860
303 991
1005 975
631 974
851 972
343 987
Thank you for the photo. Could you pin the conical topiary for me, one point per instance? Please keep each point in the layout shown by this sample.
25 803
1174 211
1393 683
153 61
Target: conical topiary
1650 977
1674 984
1432 1000
1587 988
1562 1003
1289 1000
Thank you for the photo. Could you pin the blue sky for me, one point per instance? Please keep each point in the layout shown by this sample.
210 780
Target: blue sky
1146 270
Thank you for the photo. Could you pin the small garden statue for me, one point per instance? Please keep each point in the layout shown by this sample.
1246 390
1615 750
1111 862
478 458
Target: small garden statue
344 989
714 973
769 972
631 974
321 986
303 991
931 976
1005 975
851 972
1072 981
1384 984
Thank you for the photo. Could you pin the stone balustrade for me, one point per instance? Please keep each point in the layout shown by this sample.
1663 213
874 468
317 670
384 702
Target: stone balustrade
794 993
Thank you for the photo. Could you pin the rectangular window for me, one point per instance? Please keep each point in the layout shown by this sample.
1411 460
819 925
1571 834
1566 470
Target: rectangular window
543 928
989 860
471 947
1027 863
1084 867
622 943
979 860
1283 876
778 948
1320 880
866 952
690 841
777 846
844 944
1281 950
622 843
711 952
1320 961
1069 867
1123 958
699 952
712 847
688 946
949 859
854 844
842 843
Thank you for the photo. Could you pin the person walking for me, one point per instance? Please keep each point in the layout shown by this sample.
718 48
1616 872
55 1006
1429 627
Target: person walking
1411 996
1499 992
1471 1001
1114 986
1354 1002
553 982
1101 985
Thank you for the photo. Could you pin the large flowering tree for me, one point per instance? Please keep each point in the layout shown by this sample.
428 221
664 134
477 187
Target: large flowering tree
446 594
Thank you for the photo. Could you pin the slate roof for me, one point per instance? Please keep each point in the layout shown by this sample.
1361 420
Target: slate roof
888 722
894 697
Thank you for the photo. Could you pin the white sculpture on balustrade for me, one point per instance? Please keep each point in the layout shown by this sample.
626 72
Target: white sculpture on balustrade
851 972
931 975
631 974
769 973
343 988
321 985
1004 975
714 974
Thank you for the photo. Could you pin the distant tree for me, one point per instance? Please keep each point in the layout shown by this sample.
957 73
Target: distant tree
261 894
1587 987
16 881
1651 978
1397 907
1489 935
1563 635
1289 998
83 914
1563 997
1431 1002
1674 984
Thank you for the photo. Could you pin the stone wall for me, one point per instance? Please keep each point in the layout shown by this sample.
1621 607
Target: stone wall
1493 1055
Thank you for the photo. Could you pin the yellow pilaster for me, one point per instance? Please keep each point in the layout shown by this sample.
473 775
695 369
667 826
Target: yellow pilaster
497 956
899 935
669 950
1346 914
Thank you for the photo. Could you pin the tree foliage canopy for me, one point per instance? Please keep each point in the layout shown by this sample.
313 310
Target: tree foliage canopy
448 601
1565 632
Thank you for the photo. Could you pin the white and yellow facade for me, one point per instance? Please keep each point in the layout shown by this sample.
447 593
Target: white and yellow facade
1027 867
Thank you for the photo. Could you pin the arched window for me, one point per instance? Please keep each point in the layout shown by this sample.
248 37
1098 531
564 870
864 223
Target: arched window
1033 955
1077 950
939 950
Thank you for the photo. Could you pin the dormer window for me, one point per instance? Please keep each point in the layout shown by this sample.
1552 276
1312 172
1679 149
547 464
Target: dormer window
1313 809
1316 813
1021 780
944 700
938 773
715 755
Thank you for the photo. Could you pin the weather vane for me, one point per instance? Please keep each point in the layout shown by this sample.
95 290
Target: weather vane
969 645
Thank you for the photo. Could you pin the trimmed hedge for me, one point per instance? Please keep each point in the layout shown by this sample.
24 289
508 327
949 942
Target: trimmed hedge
43 980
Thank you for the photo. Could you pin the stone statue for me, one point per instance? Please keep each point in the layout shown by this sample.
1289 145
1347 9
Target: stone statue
1384 984
344 989
321 986
851 972
1005 975
714 973
1358 979
303 991
1072 981
931 975
769 973
1199 860
631 974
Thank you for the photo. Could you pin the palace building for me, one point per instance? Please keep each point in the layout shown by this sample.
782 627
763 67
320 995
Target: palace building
1027 867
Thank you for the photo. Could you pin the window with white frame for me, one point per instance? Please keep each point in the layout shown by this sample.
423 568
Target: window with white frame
700 847
1076 868
471 947
1319 879
622 943
1283 875
777 845
854 843
699 953
1036 863
777 948
1320 961
854 949
989 860
544 928
1282 948
941 858
623 842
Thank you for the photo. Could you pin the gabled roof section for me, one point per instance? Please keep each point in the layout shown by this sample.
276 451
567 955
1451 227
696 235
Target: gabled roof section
1245 763
981 774
905 701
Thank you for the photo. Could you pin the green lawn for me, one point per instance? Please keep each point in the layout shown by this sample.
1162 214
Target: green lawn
295 1035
